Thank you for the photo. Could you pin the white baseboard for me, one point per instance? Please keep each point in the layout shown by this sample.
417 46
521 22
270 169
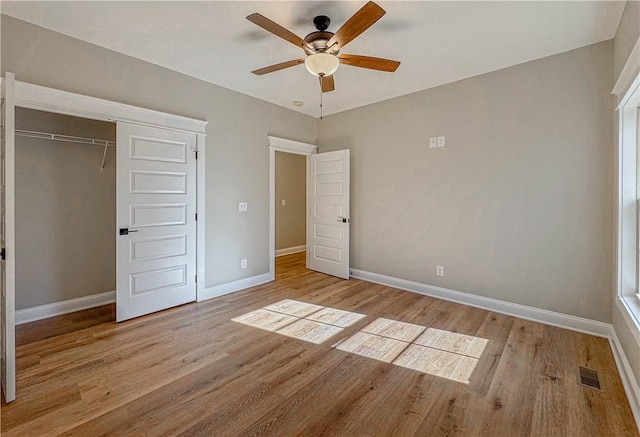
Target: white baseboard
66 306
230 287
552 318
290 250
631 387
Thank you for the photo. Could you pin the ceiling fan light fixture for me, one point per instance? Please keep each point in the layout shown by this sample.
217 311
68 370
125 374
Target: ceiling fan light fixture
321 64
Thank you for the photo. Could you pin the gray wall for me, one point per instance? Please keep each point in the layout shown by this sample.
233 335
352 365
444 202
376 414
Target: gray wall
291 177
626 37
517 206
237 156
65 211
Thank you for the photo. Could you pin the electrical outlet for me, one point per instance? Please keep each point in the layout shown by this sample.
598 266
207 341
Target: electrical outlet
243 206
284 202
439 270
433 142
243 263
441 141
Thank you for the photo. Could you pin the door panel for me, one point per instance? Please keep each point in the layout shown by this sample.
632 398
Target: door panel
156 203
328 213
8 266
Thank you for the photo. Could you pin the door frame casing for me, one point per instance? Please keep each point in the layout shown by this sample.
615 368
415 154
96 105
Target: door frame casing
288 146
9 244
63 102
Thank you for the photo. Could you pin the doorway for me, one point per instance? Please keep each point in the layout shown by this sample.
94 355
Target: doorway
291 205
81 238
327 210
281 145
16 94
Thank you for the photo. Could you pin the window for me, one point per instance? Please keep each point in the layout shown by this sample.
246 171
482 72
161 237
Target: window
628 250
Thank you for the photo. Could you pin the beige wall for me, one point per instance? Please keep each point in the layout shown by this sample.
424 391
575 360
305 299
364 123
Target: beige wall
291 170
237 155
65 211
517 206
626 37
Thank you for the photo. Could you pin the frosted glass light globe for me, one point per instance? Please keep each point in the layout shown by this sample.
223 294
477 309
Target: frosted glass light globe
322 64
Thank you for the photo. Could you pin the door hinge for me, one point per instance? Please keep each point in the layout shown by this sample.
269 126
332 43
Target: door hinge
196 154
195 278
3 254
196 216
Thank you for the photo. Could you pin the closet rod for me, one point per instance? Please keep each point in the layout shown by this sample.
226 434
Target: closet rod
67 138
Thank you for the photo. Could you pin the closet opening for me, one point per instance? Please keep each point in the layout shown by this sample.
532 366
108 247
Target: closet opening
65 215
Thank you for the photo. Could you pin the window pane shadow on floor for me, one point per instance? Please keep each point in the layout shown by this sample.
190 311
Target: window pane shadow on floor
301 320
428 350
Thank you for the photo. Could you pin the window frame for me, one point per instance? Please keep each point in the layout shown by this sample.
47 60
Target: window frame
628 226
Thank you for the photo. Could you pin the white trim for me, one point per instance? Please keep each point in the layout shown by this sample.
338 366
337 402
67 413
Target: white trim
631 68
232 287
629 306
52 100
629 381
287 146
201 211
290 250
290 146
631 97
626 238
66 306
8 221
579 324
626 285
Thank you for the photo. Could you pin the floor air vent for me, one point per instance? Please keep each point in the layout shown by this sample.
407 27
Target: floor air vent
589 378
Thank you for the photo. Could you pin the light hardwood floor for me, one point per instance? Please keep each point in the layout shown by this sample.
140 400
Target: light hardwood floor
192 371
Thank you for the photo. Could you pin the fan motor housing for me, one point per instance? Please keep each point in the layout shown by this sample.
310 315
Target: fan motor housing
318 40
321 22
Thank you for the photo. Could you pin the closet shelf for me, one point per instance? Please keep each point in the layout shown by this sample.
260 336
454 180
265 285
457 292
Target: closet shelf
65 138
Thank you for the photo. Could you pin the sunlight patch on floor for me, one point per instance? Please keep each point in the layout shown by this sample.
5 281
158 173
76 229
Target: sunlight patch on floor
373 346
428 350
300 320
434 351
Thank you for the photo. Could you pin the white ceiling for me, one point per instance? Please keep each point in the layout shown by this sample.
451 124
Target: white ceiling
437 42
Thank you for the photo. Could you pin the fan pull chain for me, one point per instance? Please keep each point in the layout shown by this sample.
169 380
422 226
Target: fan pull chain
321 101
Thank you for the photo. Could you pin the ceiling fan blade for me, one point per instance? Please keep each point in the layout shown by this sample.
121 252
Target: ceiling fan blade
276 67
369 62
358 23
277 30
327 84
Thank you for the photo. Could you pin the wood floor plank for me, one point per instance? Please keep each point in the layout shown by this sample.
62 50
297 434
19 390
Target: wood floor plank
193 371
73 322
514 384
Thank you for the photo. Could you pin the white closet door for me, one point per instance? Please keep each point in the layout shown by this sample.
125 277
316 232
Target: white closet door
328 213
8 263
156 218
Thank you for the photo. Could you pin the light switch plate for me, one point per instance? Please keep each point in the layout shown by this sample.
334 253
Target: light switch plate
441 141
432 142
243 206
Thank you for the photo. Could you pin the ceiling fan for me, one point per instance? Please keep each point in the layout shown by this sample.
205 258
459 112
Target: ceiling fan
323 47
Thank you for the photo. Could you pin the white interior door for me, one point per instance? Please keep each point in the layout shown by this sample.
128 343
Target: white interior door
156 217
8 263
328 213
